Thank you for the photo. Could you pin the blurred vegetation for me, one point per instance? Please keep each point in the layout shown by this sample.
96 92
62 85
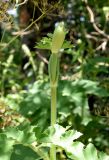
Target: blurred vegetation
83 89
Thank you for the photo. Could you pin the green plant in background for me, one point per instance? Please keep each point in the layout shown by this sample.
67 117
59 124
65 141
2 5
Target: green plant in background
24 129
54 73
28 141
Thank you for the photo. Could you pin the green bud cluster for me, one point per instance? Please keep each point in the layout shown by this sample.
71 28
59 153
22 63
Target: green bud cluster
58 38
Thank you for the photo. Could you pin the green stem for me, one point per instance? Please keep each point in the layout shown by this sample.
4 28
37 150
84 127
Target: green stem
53 152
53 105
53 119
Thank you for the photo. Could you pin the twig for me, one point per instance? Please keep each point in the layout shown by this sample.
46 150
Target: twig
42 58
102 46
19 4
92 20
21 33
91 37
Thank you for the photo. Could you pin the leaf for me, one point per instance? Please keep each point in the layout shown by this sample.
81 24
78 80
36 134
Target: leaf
96 67
59 136
67 44
25 137
103 156
84 86
6 147
90 152
21 152
75 151
45 43
67 138
52 134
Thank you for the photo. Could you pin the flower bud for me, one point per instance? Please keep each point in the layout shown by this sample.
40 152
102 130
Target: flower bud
58 38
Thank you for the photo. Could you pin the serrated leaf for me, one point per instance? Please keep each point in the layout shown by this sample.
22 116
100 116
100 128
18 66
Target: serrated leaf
76 151
45 43
67 138
52 134
67 44
59 136
20 136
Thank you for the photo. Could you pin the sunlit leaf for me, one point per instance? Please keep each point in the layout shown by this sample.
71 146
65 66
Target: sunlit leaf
90 152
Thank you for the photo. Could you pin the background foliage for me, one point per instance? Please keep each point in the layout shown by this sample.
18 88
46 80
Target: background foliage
83 89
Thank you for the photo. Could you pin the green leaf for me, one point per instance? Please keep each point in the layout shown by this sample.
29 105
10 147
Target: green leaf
52 134
45 43
103 156
84 86
75 151
90 152
67 138
67 44
6 147
21 152
59 136
25 137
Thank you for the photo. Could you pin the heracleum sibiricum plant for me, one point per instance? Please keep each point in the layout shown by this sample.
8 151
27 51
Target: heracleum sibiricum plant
53 67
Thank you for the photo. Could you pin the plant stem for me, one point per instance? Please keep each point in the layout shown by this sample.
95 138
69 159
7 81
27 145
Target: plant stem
53 119
53 68
53 152
53 105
